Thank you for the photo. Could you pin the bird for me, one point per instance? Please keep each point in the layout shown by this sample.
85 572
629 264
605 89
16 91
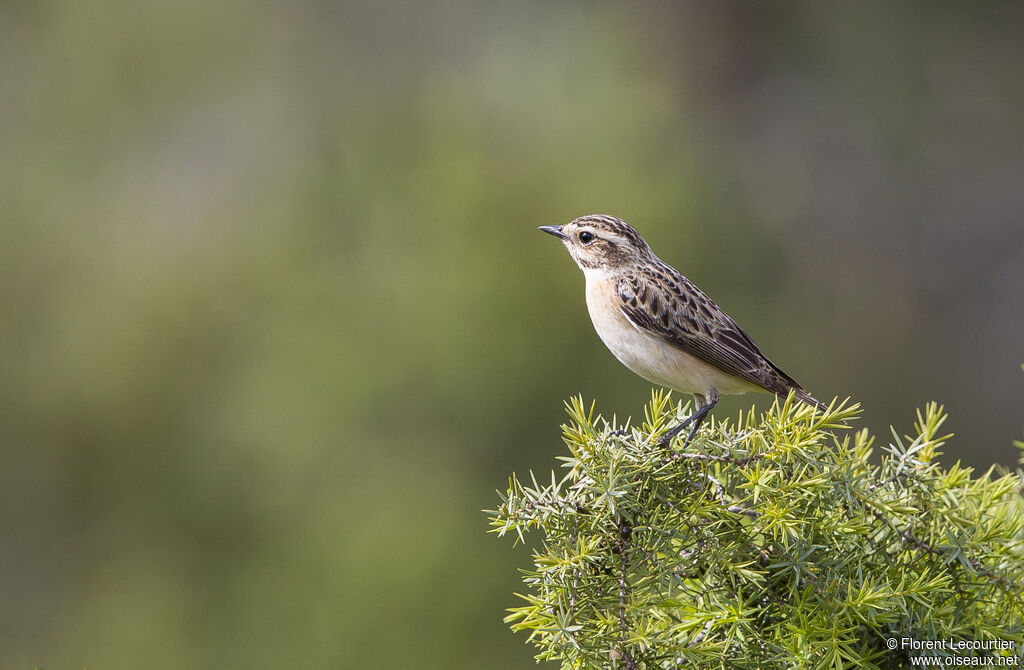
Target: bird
658 324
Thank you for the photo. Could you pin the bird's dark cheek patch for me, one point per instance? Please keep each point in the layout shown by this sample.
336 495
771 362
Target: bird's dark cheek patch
615 255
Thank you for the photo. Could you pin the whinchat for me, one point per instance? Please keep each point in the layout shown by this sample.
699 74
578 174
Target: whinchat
661 326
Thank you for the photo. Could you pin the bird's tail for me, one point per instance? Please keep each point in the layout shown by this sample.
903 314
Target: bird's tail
805 397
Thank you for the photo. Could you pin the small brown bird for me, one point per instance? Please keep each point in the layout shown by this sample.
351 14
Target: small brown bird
661 326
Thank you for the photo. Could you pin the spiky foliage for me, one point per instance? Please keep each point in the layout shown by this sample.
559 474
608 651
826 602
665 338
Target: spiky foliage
1020 443
772 541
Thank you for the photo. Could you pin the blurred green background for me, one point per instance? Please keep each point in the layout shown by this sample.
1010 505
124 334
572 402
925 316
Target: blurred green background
277 320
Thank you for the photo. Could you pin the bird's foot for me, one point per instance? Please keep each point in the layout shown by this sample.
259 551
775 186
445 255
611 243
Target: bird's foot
693 421
665 440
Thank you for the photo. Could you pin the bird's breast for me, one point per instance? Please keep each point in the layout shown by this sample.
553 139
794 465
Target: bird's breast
647 355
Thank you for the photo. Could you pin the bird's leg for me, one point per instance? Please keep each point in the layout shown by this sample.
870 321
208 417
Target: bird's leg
666 439
697 418
704 404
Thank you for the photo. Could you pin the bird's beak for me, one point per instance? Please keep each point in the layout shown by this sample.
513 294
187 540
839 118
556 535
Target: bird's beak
554 230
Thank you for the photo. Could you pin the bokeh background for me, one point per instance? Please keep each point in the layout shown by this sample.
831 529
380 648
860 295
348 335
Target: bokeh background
277 321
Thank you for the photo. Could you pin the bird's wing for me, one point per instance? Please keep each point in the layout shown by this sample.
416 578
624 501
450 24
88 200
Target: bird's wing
667 305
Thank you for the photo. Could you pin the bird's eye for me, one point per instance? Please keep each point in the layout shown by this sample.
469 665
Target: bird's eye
586 237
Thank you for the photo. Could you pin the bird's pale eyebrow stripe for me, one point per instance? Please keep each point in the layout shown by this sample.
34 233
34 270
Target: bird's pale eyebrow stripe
618 239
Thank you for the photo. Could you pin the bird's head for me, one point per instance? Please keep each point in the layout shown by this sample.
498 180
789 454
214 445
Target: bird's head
602 243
